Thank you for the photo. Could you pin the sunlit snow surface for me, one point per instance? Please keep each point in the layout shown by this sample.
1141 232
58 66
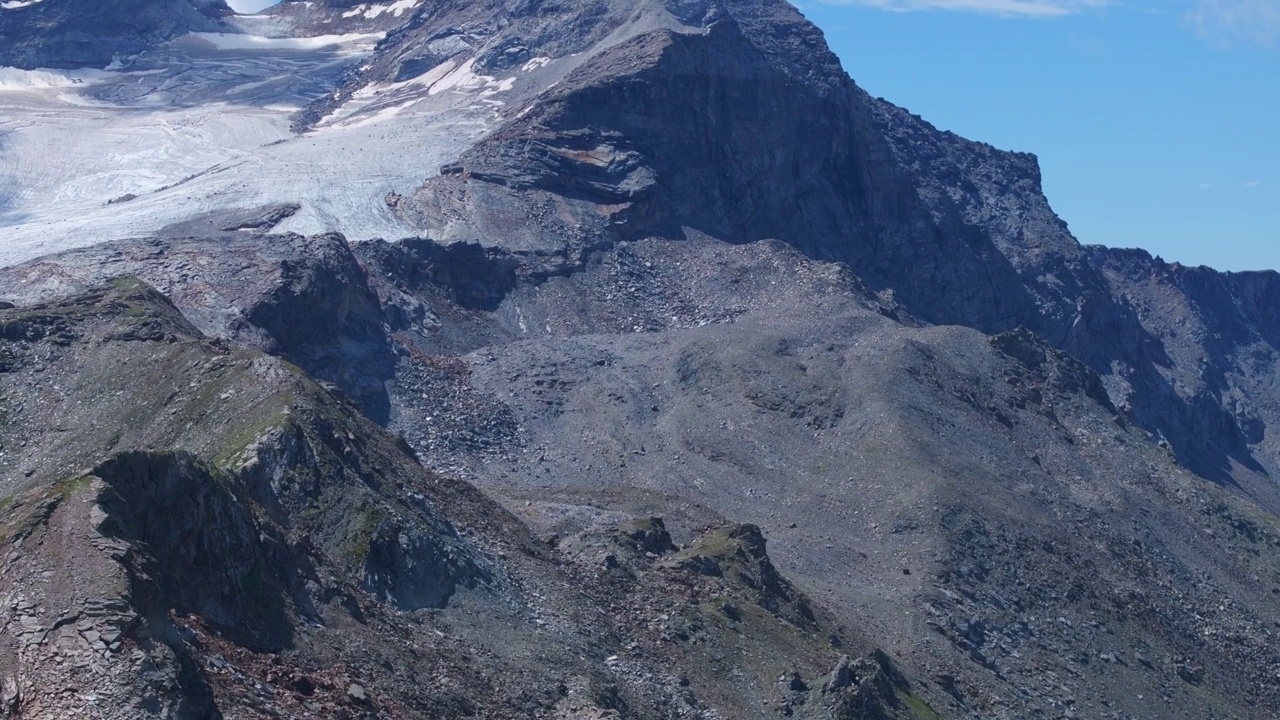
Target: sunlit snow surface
208 129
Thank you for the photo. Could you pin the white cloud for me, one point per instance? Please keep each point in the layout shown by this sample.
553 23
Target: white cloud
1021 8
1234 22
1252 184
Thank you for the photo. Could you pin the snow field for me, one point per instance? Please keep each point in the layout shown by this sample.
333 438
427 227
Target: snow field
212 134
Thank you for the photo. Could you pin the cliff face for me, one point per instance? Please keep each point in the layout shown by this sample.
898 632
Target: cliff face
76 33
1168 341
734 121
1215 335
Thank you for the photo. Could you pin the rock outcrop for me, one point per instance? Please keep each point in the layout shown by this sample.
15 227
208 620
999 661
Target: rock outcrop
85 33
304 299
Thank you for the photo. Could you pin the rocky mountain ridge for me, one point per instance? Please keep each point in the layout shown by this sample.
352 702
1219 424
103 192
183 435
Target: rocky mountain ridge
79 33
260 565
694 118
688 269
793 412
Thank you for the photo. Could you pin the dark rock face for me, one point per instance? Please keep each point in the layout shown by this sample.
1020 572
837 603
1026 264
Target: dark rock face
85 33
304 299
1211 394
733 120
205 546
740 125
474 277
322 316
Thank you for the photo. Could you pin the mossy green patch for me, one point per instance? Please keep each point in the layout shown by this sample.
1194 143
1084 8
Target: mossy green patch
722 609
363 528
918 706
218 391
245 434
127 283
638 524
715 544
71 486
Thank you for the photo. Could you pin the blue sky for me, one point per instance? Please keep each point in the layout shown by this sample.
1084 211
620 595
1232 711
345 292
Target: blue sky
1156 121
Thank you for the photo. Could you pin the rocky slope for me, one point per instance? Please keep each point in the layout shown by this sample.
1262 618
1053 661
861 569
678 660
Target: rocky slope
684 268
305 18
210 534
84 33
734 120
975 505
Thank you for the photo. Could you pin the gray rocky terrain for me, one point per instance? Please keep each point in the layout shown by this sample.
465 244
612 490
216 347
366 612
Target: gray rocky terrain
88 33
306 18
283 556
690 290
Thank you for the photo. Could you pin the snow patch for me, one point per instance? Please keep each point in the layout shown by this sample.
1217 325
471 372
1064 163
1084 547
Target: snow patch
353 43
373 11
378 101
465 79
380 115
535 63
12 79
212 134
248 7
